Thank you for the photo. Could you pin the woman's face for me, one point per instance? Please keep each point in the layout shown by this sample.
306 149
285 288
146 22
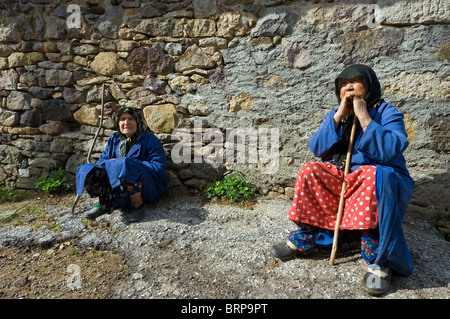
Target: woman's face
127 124
353 86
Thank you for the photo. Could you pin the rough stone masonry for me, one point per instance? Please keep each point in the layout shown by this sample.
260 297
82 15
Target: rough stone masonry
223 64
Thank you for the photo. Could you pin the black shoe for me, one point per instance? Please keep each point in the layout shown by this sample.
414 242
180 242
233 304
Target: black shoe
135 214
284 252
94 212
377 281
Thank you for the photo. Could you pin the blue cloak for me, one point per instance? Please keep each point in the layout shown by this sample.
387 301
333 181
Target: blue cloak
382 145
145 162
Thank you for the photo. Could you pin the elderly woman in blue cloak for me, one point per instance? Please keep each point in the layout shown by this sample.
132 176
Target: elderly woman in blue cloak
131 171
379 186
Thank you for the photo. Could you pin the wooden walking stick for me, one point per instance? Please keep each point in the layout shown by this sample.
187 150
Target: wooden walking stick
342 199
93 142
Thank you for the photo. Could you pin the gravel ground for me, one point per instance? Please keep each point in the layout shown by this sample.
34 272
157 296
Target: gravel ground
187 249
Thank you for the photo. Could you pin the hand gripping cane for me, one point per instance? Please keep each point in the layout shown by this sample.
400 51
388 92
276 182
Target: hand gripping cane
342 199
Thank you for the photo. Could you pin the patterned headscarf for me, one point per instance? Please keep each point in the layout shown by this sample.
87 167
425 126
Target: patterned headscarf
127 142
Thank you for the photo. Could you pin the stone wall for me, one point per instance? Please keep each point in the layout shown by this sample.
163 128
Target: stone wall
214 68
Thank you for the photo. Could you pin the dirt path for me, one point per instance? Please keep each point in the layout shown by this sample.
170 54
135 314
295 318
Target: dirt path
185 249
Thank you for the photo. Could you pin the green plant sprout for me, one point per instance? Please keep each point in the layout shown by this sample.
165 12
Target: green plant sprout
55 184
232 188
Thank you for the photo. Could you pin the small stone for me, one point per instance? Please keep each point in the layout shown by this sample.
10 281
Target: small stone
174 48
161 118
180 84
195 183
25 46
219 43
5 50
71 95
200 28
18 101
137 276
242 102
185 173
9 118
31 118
204 8
108 64
8 79
199 109
21 282
149 61
155 85
4 64
127 45
142 95
85 49
55 110
160 27
54 57
34 58
87 115
199 79
78 59
92 80
50 47
444 52
17 59
126 34
193 58
53 128
289 191
155 9
233 24
58 77
276 21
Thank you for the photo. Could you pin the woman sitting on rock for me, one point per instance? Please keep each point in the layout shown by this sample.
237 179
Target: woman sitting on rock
131 171
378 189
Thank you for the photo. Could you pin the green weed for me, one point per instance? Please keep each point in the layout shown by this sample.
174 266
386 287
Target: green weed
8 194
55 184
232 188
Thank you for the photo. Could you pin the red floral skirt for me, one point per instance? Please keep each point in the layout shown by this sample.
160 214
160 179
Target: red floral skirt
318 190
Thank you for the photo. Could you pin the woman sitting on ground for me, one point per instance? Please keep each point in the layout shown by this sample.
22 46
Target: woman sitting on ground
131 171
378 189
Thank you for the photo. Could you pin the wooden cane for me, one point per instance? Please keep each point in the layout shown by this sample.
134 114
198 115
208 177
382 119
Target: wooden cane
93 141
342 199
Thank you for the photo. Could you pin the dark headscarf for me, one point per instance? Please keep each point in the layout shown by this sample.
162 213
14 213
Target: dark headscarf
372 98
127 142
370 80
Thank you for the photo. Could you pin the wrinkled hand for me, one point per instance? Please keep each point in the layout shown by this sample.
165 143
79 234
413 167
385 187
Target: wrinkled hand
358 105
360 109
